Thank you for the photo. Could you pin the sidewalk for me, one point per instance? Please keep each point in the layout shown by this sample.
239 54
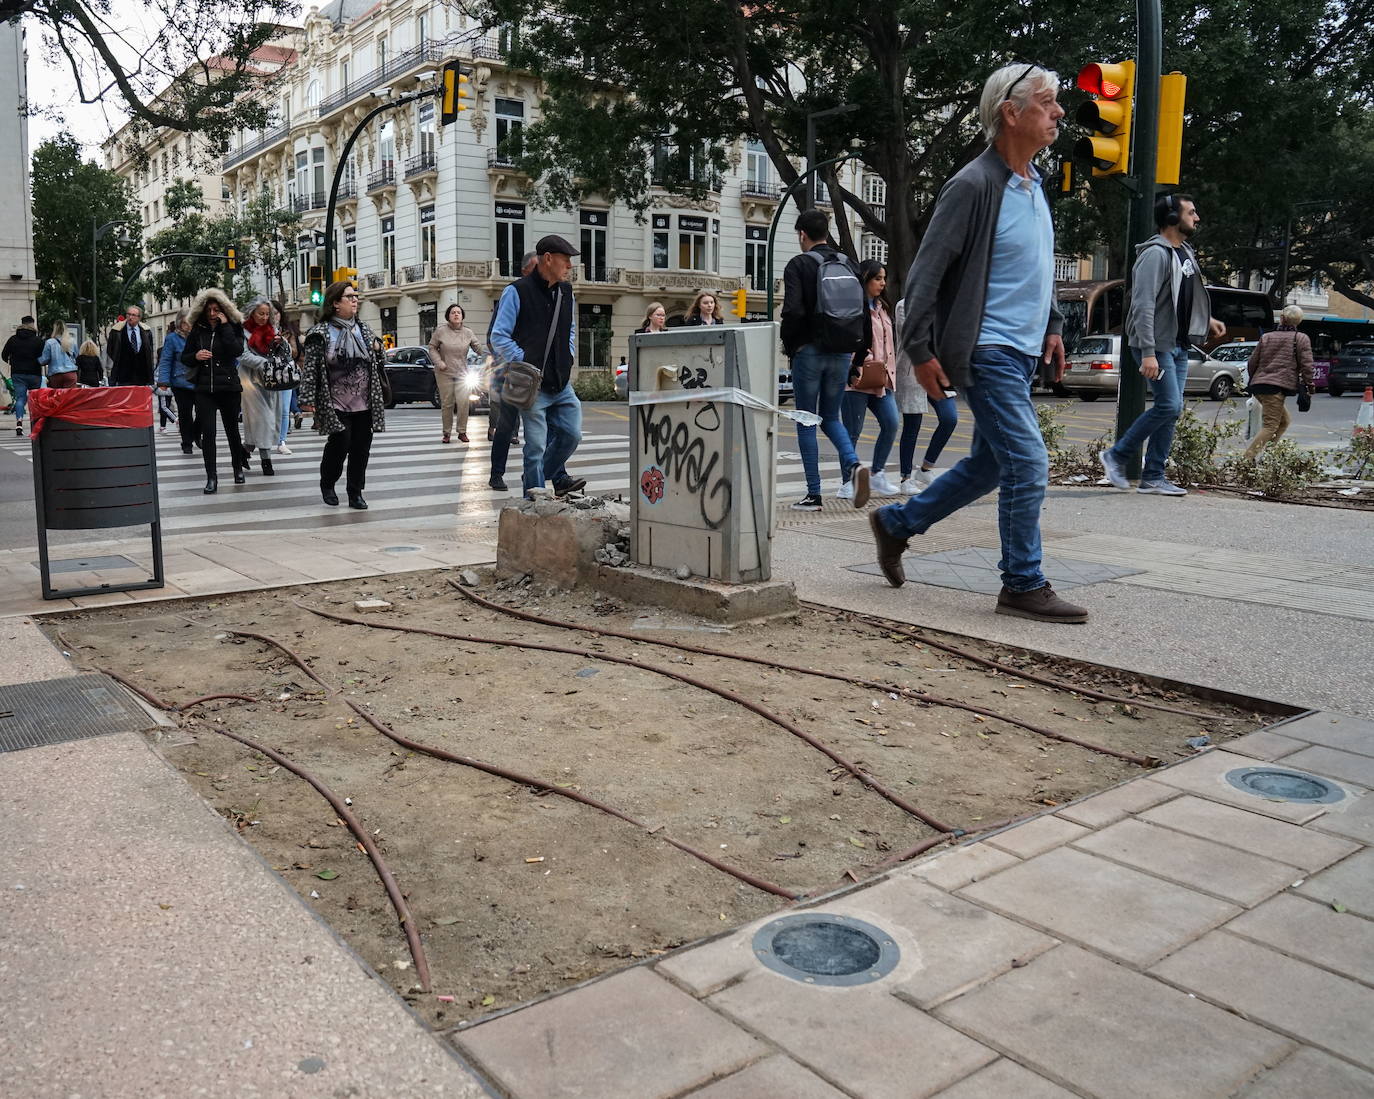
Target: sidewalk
1174 936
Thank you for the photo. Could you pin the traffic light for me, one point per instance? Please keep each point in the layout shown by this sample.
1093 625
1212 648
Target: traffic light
1107 117
455 90
346 274
316 284
1172 90
231 259
741 305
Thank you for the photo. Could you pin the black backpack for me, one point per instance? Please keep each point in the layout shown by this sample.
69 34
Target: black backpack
839 303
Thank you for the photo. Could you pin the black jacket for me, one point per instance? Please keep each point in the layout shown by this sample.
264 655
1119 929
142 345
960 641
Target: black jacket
218 374
127 366
531 330
22 350
800 323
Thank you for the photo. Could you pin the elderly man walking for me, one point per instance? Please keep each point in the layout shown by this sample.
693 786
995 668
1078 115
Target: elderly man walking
980 316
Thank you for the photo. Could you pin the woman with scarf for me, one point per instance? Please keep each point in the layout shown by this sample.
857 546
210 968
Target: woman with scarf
262 407
341 383
213 347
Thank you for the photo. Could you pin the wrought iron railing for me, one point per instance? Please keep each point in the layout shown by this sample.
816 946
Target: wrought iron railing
382 177
419 165
270 138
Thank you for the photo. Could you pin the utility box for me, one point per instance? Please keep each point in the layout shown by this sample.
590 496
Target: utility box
704 471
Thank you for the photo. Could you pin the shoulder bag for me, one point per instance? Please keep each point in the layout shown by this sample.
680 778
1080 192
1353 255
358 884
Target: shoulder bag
519 382
1304 394
872 377
278 370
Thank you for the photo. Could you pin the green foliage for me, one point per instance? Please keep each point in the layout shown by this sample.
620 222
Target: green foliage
1283 470
1357 459
595 385
1193 459
68 192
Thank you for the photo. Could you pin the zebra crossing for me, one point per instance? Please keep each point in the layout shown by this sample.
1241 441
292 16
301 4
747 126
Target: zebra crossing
411 477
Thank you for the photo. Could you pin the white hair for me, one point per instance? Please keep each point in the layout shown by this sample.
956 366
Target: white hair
1291 315
1027 86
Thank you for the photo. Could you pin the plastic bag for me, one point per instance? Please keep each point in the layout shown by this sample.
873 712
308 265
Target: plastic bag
107 406
1254 418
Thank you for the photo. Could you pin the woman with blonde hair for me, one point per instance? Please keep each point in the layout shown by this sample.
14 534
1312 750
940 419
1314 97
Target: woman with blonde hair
655 318
57 357
88 370
705 310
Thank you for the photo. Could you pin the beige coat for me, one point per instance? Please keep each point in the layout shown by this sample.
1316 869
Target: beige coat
448 348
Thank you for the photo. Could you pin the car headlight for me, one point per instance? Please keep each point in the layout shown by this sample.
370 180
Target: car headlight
473 378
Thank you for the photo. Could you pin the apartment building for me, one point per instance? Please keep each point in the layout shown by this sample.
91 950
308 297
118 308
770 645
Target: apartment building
18 283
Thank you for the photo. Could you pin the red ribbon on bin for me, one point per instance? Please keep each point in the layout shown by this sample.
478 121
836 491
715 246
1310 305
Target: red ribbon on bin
99 406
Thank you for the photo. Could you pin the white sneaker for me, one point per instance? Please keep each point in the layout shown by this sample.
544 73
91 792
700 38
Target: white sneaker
883 485
925 476
1161 488
162 431
283 449
911 486
846 491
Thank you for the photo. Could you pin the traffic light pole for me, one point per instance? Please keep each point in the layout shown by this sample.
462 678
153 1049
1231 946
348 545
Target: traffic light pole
796 185
1130 403
390 104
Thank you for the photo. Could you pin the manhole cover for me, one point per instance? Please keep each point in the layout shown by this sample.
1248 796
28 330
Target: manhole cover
401 549
1280 785
821 949
53 711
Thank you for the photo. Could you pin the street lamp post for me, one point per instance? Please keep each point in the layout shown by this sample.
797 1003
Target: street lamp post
802 180
843 108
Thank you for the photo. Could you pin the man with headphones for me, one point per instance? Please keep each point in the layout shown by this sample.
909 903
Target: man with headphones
1169 311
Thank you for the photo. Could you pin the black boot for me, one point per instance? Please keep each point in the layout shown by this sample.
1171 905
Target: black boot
211 486
329 495
356 501
267 470
239 477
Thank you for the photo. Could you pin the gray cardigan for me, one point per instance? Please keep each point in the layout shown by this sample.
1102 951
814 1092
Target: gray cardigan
1152 316
947 285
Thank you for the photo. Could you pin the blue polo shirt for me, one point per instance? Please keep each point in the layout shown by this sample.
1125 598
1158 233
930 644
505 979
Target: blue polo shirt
1021 276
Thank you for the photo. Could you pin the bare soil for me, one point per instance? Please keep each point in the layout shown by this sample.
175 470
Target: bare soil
501 928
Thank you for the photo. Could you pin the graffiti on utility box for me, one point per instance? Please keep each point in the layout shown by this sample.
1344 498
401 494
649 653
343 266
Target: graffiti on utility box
681 452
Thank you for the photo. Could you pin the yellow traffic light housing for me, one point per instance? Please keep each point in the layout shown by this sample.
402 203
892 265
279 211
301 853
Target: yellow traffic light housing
741 306
346 274
231 259
1173 88
316 285
1107 116
455 88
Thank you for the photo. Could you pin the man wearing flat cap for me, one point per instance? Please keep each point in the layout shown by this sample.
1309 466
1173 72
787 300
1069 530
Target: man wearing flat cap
534 324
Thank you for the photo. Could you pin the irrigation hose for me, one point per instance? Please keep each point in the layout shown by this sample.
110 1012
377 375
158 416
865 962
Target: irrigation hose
721 692
1008 669
393 891
871 684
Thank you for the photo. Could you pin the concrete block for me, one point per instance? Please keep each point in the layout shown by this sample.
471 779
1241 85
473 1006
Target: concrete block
1312 931
1351 734
1197 863
775 1078
955 869
710 599
1350 882
1035 836
1005 1079
551 541
1112 805
1265 745
1312 1072
1112 1033
1334 763
1316 1006
371 605
1260 835
631 1034
850 1035
1117 910
1205 775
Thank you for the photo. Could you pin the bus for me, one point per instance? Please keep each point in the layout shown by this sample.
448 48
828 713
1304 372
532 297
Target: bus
1097 308
1329 335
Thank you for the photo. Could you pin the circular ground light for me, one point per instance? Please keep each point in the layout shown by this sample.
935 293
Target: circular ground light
401 549
821 949
1277 784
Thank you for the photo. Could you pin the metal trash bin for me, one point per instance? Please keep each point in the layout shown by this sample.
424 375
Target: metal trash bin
88 476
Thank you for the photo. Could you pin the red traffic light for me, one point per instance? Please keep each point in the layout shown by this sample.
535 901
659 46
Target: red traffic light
1108 81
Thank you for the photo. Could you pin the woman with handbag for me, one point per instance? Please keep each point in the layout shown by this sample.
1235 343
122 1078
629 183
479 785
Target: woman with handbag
260 368
342 385
1280 366
872 385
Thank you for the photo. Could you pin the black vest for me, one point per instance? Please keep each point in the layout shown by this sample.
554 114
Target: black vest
532 328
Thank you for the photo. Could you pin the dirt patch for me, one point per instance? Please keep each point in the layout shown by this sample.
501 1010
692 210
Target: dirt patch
518 892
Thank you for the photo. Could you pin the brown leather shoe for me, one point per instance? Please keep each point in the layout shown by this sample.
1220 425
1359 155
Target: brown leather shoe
1040 605
890 550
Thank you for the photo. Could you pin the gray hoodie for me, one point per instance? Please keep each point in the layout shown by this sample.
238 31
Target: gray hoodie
1152 316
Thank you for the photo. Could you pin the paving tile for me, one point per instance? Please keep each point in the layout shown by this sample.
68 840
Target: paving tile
1352 734
1206 775
1354 819
1350 882
1260 835
775 1078
632 1034
955 869
1312 1072
947 944
1334 763
1314 931
710 967
1120 911
1316 1006
1265 745
1112 805
850 1035
1113 1033
1036 836
1005 1079
1197 863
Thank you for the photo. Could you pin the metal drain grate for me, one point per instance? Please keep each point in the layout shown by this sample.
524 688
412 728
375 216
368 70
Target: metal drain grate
54 711
820 949
1277 784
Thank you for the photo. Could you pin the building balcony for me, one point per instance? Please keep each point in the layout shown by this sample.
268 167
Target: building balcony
597 276
761 189
501 158
348 191
427 53
247 152
418 272
378 280
420 165
383 177
684 281
316 200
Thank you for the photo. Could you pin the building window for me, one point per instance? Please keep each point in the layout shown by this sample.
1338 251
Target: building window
874 248
594 226
429 320
715 245
756 256
594 337
691 242
510 238
386 146
302 180
389 326
344 67
1065 268
389 248
510 121
350 248
660 242
874 190
317 178
382 51
758 171
427 238
421 29
312 95
305 245
426 127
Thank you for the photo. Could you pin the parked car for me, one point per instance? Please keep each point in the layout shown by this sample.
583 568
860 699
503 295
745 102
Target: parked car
411 375
622 379
785 383
1238 353
1352 368
1094 370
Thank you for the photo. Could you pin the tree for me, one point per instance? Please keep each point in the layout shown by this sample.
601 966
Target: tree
69 195
192 230
267 235
201 70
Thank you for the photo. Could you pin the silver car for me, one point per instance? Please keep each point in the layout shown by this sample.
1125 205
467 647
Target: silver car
1094 370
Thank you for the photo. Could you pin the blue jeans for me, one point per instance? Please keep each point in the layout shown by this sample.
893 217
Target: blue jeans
553 428
818 379
947 419
855 405
1008 453
1157 423
22 384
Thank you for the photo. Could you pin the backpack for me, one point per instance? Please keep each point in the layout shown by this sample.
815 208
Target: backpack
839 303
